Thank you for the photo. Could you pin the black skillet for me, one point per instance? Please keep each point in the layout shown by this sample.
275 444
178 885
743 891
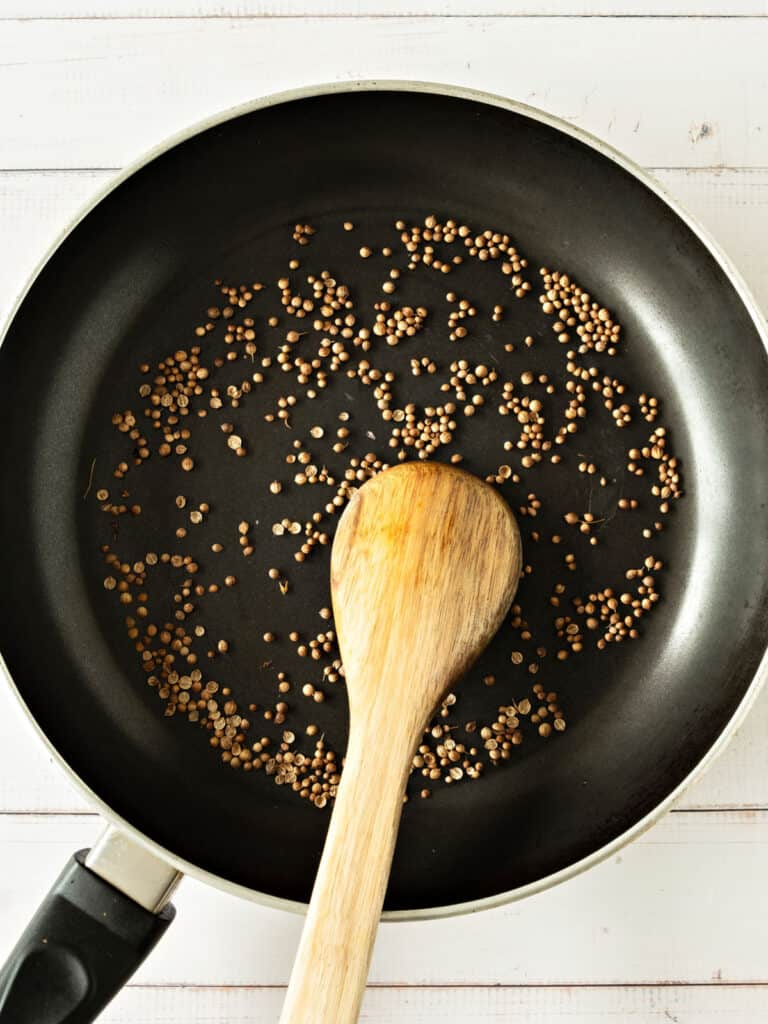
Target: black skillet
127 284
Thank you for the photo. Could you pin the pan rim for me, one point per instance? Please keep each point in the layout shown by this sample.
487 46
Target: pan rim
720 257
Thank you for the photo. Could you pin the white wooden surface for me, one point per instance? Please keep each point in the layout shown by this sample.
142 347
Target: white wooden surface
676 927
671 92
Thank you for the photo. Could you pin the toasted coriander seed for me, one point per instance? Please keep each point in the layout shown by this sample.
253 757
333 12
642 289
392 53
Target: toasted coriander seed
187 464
230 581
268 638
602 618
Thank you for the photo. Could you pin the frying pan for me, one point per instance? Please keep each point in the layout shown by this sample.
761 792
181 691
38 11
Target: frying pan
128 282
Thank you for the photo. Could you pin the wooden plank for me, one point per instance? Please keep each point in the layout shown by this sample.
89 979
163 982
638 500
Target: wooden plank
387 8
35 207
686 903
95 93
708 1004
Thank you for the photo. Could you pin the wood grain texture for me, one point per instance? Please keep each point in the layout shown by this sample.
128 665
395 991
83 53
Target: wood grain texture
63 9
687 902
686 1004
425 562
95 93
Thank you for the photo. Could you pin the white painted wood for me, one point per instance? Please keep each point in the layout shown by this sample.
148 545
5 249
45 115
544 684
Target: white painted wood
95 93
710 1004
685 903
688 901
387 8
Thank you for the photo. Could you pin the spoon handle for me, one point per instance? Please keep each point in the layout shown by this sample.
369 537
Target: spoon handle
329 974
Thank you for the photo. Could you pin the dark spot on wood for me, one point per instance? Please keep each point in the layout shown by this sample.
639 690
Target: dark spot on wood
705 130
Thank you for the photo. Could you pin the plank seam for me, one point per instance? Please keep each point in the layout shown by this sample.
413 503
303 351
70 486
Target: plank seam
713 809
501 987
651 169
383 16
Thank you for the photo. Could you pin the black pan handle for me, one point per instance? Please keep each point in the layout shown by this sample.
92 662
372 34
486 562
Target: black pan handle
84 942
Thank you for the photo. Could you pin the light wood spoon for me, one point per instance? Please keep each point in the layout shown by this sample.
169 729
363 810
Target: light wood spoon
424 566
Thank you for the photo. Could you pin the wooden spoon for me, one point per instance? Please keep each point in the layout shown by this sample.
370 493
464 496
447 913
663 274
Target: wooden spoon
424 566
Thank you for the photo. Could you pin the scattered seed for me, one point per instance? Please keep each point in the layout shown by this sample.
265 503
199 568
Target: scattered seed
323 337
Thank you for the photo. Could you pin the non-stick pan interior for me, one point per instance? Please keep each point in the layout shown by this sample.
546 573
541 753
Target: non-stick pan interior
129 285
